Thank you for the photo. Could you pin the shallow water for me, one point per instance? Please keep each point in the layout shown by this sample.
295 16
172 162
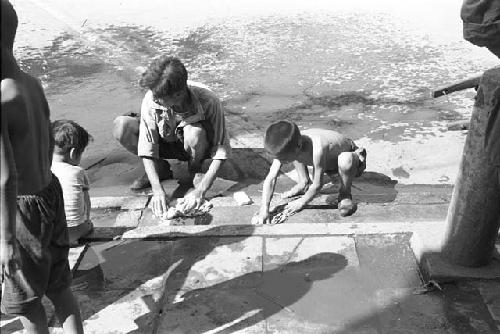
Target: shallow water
361 69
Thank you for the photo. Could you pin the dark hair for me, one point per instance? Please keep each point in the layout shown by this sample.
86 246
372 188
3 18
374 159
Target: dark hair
164 76
281 138
8 25
69 134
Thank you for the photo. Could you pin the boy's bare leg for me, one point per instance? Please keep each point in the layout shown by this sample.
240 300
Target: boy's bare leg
304 181
67 311
196 144
35 321
348 166
126 131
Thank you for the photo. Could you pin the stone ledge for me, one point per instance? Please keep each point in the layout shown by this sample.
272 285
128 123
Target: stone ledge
436 268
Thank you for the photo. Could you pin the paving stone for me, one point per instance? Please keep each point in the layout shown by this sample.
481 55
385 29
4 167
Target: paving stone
121 311
311 278
388 261
458 308
216 309
123 264
135 203
490 291
104 217
204 262
75 256
128 218
399 311
281 251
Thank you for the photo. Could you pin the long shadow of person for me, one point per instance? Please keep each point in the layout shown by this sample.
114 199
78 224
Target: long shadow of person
116 277
244 301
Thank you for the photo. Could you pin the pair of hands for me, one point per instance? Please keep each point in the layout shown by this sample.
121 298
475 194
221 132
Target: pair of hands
160 202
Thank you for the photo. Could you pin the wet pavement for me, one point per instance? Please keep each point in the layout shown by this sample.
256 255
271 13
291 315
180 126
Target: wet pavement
315 273
362 68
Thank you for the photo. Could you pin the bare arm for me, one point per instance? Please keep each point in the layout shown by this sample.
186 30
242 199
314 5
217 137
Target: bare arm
317 182
318 163
268 187
303 182
209 177
159 202
8 182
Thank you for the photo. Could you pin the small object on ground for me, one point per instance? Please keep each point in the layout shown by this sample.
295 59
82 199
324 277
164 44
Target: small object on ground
430 286
307 277
242 198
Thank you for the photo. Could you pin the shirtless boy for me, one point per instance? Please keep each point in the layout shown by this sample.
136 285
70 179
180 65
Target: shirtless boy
326 150
34 235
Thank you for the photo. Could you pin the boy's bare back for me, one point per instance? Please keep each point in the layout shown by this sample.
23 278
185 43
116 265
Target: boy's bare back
328 143
25 121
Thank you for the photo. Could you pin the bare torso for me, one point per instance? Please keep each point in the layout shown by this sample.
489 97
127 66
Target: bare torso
25 109
330 142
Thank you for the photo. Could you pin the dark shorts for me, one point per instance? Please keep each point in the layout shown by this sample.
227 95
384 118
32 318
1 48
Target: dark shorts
42 236
175 150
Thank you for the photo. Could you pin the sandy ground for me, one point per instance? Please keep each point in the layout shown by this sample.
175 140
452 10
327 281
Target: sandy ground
364 68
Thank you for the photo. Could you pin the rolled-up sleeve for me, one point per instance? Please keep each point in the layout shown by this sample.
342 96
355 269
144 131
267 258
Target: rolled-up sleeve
148 145
221 149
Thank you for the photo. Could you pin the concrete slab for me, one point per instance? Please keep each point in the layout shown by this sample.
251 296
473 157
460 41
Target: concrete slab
217 310
309 278
75 256
435 267
136 202
388 261
129 218
159 232
123 264
490 291
205 262
104 217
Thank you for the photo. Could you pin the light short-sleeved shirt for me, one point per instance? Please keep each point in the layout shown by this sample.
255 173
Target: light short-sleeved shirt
159 123
74 182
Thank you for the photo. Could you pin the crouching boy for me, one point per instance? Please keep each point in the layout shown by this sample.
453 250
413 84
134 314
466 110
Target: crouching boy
326 150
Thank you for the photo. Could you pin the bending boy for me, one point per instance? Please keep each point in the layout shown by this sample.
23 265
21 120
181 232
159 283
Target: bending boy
179 120
34 235
326 150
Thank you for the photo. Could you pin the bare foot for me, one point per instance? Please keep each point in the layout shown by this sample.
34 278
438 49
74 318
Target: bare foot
347 207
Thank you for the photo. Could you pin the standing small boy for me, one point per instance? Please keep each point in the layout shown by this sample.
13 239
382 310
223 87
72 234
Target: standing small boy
34 236
326 150
70 140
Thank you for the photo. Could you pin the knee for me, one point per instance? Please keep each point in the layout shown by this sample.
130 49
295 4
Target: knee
123 127
347 161
194 136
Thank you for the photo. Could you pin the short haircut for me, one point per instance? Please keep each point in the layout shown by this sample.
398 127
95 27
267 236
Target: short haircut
281 138
8 25
69 134
165 76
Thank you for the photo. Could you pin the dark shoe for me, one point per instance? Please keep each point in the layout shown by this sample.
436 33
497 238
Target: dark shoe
143 181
